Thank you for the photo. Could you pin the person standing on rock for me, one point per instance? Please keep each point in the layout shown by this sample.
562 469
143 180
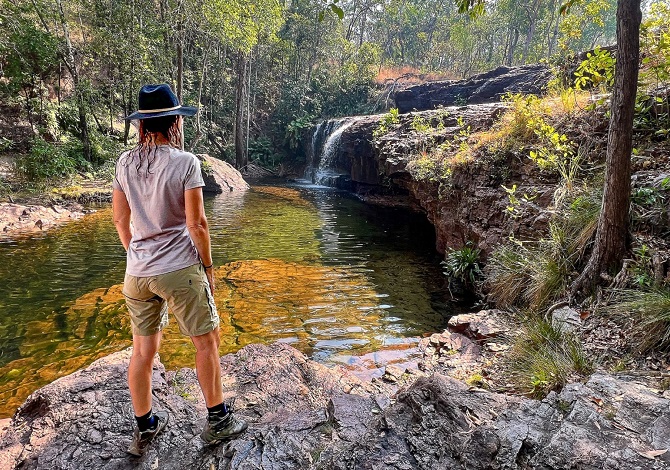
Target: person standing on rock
160 218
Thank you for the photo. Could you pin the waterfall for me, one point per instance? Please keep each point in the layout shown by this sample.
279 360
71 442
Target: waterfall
322 166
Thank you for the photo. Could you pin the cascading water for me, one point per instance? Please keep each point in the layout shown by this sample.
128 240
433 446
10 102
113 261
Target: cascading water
322 168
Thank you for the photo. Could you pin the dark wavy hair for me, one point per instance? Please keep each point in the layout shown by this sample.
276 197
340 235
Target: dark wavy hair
146 147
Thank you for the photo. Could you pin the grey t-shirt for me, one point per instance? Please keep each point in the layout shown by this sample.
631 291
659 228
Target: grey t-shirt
160 243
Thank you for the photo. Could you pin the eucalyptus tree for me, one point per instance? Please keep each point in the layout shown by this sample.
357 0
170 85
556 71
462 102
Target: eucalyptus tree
242 24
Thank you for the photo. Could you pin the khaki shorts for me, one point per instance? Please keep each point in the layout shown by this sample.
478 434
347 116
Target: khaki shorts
185 292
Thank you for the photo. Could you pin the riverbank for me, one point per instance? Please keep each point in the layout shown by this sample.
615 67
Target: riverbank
304 415
24 220
38 207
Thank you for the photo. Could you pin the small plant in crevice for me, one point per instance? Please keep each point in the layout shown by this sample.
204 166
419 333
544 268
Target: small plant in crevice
207 168
387 121
462 268
543 359
641 269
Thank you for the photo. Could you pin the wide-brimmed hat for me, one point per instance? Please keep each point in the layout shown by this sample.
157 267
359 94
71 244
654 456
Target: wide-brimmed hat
157 101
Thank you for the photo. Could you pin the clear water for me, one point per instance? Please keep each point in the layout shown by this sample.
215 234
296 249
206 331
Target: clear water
344 282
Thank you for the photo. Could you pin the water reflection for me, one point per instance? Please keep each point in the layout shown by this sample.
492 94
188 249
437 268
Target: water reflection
343 282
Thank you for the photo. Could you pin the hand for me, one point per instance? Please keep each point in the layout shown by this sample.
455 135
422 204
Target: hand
210 278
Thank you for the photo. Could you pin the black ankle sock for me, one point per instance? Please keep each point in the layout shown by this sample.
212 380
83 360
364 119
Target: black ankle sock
146 422
218 410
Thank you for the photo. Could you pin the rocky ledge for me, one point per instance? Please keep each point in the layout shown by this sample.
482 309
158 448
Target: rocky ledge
305 416
17 218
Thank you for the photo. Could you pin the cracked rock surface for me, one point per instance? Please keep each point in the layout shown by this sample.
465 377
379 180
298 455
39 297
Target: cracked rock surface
304 415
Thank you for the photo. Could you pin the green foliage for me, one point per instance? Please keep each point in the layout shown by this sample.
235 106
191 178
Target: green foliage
555 151
206 168
597 71
533 274
543 359
29 54
463 265
420 125
587 23
653 99
295 129
262 152
47 160
515 202
386 122
641 270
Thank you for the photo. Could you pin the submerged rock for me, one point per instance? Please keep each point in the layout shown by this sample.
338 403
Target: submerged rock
304 415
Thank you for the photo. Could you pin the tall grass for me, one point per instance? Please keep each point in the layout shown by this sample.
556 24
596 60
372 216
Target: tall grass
533 274
543 359
651 313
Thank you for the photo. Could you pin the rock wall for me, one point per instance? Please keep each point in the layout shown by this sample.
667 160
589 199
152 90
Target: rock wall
473 205
303 415
487 87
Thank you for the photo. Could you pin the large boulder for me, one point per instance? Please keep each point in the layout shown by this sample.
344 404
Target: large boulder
295 407
220 177
487 87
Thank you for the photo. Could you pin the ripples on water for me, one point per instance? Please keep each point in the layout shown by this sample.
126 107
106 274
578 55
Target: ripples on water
343 282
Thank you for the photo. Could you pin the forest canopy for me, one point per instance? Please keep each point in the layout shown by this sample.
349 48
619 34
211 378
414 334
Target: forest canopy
260 71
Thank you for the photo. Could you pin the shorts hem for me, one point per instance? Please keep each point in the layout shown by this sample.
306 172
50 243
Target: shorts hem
202 331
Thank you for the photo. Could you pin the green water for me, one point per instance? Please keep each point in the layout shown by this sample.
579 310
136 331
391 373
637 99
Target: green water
344 282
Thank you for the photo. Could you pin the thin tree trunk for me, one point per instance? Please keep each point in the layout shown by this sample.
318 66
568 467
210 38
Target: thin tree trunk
612 232
180 69
532 18
248 107
240 154
198 126
72 68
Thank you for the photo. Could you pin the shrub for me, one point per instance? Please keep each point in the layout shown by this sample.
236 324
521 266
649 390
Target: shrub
387 120
47 160
528 274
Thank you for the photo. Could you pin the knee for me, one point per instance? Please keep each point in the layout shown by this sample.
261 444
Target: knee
207 343
144 355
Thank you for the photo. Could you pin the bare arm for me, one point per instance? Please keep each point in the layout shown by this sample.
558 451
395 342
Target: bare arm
121 211
199 230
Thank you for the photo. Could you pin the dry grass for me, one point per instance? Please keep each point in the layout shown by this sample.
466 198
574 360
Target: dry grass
410 75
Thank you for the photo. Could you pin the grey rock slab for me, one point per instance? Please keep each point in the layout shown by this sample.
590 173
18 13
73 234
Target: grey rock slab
303 415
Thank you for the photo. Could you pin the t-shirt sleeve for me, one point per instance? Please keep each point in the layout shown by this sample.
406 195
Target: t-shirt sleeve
193 175
116 183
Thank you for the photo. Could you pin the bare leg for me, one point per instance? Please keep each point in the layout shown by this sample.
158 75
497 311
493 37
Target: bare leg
139 371
208 367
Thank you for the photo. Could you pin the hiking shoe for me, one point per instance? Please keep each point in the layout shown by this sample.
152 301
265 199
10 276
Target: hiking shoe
221 429
142 439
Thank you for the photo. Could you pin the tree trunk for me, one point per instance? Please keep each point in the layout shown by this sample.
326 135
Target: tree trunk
240 154
180 69
612 232
514 40
72 68
530 34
